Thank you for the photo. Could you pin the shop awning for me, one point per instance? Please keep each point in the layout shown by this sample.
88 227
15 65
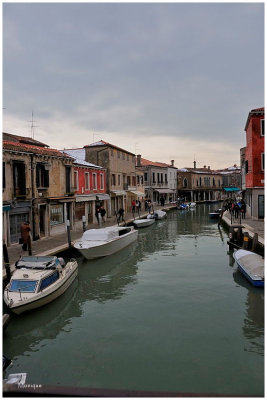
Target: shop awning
85 197
137 193
6 207
165 190
231 189
119 192
103 196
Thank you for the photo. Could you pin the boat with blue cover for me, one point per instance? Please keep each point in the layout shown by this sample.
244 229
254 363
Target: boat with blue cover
251 265
37 281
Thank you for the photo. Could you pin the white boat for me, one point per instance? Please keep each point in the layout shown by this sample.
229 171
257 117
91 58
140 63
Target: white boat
251 265
37 281
192 204
143 223
159 214
96 243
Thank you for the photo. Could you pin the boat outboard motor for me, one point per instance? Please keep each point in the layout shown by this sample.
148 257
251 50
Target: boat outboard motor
62 262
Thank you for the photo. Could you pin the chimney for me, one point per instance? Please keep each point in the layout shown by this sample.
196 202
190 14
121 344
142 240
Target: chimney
138 160
208 167
172 163
204 166
195 164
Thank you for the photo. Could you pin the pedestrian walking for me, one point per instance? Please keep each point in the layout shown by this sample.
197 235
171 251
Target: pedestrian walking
97 211
25 235
243 210
146 205
121 215
236 210
102 213
133 206
162 201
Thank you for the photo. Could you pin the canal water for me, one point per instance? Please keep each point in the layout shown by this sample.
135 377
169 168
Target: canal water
169 313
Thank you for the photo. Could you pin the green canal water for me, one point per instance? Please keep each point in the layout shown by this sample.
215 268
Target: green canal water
169 313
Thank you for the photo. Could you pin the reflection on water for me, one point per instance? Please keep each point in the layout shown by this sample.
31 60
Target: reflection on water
170 312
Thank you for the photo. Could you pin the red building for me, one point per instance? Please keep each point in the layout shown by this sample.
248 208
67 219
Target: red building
254 163
89 187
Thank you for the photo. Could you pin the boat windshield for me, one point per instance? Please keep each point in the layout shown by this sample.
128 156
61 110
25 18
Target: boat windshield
19 285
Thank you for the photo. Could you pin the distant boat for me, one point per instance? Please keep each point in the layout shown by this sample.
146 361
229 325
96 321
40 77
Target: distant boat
96 243
251 265
192 204
143 223
37 281
216 214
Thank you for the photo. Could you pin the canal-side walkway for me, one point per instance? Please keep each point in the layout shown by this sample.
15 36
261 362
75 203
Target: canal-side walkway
57 244
251 226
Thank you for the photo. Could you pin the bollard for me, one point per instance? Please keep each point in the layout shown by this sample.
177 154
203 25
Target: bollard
254 242
84 223
68 232
231 234
245 240
30 245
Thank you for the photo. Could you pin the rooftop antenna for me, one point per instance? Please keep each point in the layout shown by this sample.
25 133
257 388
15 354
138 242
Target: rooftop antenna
32 126
95 134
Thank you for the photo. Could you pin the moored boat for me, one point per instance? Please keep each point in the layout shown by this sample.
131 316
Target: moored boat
251 265
96 243
37 281
160 214
143 223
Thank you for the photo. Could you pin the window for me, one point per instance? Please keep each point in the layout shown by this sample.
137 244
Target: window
49 280
158 178
87 180
76 180
246 166
56 214
133 181
262 127
19 178
185 183
166 178
200 181
42 175
119 154
4 175
94 181
19 285
128 180
262 162
153 177
213 182
113 180
145 176
119 180
101 181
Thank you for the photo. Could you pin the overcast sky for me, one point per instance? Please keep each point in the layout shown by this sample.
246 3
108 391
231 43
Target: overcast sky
164 80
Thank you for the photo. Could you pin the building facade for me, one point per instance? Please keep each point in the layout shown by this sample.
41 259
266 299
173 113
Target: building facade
254 163
37 187
120 172
199 184
89 187
159 180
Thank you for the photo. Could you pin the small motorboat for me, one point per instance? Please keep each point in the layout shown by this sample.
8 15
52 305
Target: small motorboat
159 214
192 204
183 206
37 281
96 243
143 223
251 265
216 214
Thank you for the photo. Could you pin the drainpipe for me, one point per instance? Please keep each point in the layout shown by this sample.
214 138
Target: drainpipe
33 199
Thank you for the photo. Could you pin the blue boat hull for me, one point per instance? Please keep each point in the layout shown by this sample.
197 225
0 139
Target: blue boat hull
256 283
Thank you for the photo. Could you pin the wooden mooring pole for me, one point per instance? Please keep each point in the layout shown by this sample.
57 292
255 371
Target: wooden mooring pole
68 233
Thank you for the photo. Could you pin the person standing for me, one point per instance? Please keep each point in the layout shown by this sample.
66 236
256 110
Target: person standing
25 235
133 206
121 215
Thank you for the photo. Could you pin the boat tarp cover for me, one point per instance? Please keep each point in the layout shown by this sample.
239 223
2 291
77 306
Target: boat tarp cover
254 264
100 234
37 262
